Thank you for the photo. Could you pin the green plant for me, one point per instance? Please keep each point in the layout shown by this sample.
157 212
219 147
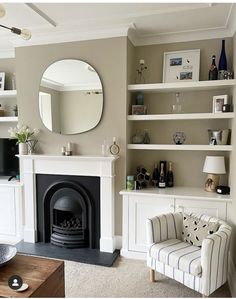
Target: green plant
22 133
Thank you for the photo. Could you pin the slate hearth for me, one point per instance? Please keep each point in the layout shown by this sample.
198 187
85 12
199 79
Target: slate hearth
81 255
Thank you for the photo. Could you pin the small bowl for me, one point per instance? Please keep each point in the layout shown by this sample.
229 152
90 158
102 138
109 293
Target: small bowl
7 252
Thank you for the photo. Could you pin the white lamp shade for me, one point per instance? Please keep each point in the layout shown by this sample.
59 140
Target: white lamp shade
214 165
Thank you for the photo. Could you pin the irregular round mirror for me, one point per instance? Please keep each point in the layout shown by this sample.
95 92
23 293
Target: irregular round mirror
70 97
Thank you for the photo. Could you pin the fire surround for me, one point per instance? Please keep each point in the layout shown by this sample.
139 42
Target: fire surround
97 166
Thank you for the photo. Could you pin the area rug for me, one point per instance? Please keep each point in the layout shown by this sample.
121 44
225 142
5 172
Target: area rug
126 278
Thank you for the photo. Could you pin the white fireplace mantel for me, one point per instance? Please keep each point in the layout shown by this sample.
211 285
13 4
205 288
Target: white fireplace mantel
99 166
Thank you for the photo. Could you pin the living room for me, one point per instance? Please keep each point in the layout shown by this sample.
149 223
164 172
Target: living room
127 47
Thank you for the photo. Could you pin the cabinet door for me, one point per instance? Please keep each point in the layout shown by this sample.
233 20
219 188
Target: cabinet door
209 207
141 208
7 211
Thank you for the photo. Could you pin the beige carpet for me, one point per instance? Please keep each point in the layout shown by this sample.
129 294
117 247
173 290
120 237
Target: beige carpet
127 278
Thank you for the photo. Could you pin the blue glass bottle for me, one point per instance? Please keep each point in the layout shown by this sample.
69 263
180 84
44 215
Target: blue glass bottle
223 61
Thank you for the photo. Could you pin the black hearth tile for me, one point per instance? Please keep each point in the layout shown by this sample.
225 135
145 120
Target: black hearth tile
81 255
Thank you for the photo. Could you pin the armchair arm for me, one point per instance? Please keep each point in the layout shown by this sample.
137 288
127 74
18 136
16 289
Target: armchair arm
164 227
214 259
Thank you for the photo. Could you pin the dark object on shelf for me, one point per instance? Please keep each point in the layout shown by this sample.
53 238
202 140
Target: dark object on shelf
139 99
213 72
15 110
146 138
162 177
155 176
222 137
170 176
140 78
142 178
226 108
179 138
222 62
7 252
223 190
139 109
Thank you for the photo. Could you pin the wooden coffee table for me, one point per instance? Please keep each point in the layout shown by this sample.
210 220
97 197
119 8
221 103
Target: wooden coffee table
45 277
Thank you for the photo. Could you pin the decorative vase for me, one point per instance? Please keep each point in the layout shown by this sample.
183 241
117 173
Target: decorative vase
23 148
222 61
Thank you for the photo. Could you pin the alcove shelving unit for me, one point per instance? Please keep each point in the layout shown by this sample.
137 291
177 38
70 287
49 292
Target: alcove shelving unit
11 95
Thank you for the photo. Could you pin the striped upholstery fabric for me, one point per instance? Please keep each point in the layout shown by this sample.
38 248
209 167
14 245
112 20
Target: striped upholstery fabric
202 269
179 255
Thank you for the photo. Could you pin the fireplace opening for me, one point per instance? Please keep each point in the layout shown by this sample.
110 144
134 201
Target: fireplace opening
68 210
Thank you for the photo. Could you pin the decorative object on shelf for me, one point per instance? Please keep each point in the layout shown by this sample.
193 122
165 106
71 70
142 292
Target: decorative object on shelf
114 148
140 78
146 138
139 109
13 81
22 134
139 98
177 107
155 176
15 110
213 166
142 177
137 137
105 148
7 252
2 81
218 102
179 137
181 66
162 177
63 150
69 151
222 62
130 184
170 176
219 137
213 71
2 112
223 190
226 108
31 145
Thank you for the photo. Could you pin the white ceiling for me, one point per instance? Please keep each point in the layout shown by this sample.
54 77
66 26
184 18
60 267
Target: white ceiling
145 23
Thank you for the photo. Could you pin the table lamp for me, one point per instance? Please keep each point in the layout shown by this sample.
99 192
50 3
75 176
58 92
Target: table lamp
213 166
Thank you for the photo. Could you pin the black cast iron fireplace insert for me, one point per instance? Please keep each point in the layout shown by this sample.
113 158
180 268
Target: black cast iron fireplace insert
68 210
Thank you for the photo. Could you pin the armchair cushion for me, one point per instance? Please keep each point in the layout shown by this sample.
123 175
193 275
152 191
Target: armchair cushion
196 230
179 255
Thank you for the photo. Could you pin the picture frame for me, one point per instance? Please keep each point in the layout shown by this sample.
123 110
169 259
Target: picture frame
181 66
2 80
139 109
218 102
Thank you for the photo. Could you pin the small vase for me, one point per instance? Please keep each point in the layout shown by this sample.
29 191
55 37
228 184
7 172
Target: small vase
23 148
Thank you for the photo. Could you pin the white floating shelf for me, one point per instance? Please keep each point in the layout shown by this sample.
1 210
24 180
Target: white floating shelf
182 116
8 93
183 86
182 147
8 119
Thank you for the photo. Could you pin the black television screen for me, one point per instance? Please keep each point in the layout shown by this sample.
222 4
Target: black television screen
9 163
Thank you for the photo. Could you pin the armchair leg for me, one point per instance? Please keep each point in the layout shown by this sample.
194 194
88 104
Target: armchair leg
152 275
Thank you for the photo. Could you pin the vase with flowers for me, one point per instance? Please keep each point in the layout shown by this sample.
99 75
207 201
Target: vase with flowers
23 134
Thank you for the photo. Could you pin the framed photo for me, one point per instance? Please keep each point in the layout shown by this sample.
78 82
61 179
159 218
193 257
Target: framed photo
139 109
218 102
181 66
2 81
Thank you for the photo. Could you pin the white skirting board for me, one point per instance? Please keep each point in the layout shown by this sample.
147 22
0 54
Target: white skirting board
118 242
232 277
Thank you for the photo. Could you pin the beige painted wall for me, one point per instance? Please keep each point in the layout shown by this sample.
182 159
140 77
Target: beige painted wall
109 58
162 132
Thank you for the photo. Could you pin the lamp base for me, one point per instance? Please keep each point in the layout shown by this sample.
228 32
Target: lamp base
212 182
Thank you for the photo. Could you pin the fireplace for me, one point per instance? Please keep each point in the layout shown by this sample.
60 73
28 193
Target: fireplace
68 210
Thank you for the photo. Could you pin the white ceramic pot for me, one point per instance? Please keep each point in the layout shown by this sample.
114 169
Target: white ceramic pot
23 148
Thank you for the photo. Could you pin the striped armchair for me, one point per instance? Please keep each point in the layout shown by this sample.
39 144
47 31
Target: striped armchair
203 269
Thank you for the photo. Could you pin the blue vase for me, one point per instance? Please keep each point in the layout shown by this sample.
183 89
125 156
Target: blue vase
223 61
139 99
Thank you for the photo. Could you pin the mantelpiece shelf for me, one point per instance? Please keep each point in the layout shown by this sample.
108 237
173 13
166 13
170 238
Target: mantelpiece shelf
183 86
8 93
8 119
182 116
182 147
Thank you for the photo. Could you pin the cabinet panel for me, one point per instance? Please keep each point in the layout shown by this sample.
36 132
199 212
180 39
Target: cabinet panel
141 208
7 211
212 208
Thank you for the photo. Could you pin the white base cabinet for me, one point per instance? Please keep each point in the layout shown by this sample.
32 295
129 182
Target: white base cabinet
10 212
142 204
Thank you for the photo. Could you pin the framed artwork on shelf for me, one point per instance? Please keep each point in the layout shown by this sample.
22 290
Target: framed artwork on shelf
181 66
2 81
218 102
139 109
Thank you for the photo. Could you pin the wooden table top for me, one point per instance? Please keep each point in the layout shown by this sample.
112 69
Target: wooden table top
33 270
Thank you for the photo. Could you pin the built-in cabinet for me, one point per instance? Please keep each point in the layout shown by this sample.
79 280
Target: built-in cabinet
142 204
10 211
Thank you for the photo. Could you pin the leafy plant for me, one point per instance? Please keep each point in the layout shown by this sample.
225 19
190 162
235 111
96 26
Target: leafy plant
22 133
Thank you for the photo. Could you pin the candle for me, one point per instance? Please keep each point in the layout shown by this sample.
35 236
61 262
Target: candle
141 61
